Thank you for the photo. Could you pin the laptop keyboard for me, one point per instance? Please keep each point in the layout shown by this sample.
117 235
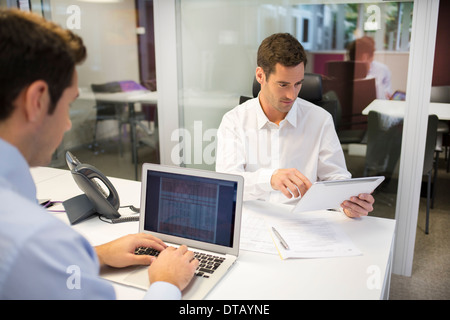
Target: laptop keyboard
208 263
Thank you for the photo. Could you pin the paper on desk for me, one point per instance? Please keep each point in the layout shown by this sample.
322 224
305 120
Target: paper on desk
255 235
311 236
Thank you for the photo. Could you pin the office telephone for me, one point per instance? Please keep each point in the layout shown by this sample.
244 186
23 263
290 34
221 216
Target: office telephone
100 197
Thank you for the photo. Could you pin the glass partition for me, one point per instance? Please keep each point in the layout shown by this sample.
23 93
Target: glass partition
218 44
114 120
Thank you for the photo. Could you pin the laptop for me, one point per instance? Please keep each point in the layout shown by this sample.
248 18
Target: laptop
198 208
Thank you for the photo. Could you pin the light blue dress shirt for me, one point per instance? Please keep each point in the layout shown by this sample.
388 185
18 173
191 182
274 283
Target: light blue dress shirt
40 256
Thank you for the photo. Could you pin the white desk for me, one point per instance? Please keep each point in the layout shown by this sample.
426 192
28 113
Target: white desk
138 96
397 108
257 275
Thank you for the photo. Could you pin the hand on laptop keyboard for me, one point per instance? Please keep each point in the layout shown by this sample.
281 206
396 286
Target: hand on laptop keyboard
207 263
173 265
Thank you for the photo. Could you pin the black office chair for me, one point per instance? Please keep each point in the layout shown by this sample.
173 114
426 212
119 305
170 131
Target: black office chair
107 110
145 137
384 140
346 82
430 164
311 91
441 94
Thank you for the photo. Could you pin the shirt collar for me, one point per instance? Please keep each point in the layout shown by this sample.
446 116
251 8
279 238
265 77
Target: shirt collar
262 119
291 117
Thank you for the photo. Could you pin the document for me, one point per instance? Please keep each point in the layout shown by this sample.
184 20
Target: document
313 234
255 235
310 235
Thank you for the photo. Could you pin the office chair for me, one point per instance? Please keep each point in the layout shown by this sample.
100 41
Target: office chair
384 140
145 123
430 163
441 94
146 135
347 79
311 91
346 70
107 110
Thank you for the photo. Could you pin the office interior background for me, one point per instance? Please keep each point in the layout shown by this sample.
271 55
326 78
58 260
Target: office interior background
200 57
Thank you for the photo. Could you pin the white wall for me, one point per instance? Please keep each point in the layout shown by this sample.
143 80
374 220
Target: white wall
397 62
109 32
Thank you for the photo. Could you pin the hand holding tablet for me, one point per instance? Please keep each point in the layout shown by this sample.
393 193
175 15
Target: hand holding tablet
325 195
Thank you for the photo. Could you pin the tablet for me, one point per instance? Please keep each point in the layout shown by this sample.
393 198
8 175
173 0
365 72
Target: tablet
325 195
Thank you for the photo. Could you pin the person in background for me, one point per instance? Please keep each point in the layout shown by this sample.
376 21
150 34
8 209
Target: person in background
363 49
38 82
280 143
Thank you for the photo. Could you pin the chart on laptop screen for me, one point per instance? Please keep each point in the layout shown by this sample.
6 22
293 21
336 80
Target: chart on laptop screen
188 209
192 207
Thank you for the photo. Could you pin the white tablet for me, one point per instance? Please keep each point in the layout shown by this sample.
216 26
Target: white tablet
325 195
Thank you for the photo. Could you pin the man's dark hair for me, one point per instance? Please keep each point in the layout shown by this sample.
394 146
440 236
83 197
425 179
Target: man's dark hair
32 49
280 48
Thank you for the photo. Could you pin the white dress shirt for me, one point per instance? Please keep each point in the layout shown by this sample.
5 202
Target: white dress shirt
250 145
382 76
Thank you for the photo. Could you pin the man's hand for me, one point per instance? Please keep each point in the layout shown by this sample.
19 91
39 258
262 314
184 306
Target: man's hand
176 266
290 182
358 206
120 253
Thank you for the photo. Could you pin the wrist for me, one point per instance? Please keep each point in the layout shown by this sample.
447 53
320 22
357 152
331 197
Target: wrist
99 250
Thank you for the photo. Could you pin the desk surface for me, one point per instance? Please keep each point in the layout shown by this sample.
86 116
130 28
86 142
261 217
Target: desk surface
397 108
143 96
257 275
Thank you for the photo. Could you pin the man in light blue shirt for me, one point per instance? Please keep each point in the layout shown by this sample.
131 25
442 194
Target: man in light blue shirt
41 257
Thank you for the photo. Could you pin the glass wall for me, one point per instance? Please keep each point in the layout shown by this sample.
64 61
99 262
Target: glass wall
217 42
217 56
118 35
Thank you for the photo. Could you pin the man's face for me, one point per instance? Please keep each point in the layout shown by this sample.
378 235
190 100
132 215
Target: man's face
56 124
280 89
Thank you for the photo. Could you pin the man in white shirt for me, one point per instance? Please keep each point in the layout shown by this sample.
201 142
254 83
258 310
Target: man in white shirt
363 49
280 143
38 82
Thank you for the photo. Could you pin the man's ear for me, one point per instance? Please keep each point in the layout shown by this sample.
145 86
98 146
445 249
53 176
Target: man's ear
260 75
37 100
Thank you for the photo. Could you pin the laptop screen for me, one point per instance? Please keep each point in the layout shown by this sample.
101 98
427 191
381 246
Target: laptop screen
191 207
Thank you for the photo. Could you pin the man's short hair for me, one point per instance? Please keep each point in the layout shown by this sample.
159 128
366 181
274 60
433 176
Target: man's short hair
280 48
32 49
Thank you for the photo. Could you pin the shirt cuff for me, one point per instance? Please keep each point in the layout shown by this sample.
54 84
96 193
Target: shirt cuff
163 291
263 180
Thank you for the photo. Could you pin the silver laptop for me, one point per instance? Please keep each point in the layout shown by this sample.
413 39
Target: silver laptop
198 208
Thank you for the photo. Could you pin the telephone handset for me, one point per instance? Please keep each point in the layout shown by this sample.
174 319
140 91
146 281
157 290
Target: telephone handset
96 199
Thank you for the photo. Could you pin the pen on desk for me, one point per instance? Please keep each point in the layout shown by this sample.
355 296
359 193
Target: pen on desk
285 245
